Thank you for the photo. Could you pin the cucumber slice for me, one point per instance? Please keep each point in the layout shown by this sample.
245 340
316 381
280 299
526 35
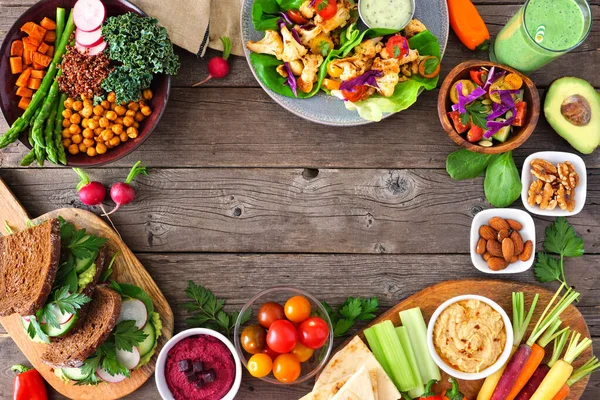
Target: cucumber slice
502 134
74 374
64 328
81 264
148 344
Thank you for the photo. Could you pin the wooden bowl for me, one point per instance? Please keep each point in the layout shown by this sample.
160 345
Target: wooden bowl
161 84
519 134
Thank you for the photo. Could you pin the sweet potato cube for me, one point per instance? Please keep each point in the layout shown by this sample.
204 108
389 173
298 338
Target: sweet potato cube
16 65
50 37
16 48
25 92
41 59
48 24
27 57
38 67
50 51
38 74
28 27
34 83
43 48
29 45
38 34
24 77
24 103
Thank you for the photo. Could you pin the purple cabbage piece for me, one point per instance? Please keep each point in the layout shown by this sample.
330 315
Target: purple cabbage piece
464 100
495 126
291 80
492 77
312 3
497 111
286 18
296 35
368 78
506 97
280 23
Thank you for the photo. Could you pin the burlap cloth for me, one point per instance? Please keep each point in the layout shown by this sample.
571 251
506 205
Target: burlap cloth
197 24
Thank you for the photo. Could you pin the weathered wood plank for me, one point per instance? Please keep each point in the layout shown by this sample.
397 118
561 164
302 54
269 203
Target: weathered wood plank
389 277
280 210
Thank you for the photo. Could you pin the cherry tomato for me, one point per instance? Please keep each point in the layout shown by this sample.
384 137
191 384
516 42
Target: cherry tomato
459 127
269 313
297 309
254 339
397 46
521 107
302 352
326 8
357 95
260 365
475 134
297 17
313 332
286 368
273 354
282 336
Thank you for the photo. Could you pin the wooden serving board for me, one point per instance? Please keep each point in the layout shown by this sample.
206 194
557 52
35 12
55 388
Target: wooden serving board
127 268
501 292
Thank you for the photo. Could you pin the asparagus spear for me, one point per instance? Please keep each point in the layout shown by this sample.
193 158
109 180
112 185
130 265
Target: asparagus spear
60 149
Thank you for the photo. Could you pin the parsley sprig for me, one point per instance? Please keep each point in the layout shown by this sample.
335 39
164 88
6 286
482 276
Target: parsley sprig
477 112
127 335
561 239
352 310
207 310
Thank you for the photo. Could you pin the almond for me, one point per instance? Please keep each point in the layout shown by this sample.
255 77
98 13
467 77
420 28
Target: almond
497 263
503 234
499 224
481 246
514 259
488 233
527 251
508 249
486 256
494 248
514 225
518 242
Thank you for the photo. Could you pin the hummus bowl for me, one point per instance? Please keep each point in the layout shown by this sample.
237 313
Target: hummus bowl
216 342
488 313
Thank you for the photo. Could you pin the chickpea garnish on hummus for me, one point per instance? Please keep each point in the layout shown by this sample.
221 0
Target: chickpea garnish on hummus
470 335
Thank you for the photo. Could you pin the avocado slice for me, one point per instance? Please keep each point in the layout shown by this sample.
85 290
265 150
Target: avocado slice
572 107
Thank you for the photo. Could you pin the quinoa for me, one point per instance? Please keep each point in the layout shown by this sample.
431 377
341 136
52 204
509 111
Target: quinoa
83 74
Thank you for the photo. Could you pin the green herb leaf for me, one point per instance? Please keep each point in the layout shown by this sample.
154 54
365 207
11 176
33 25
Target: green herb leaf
109 362
8 228
68 302
431 65
88 369
109 269
562 239
341 327
322 5
324 48
547 268
352 310
478 113
502 183
396 51
464 164
34 329
127 335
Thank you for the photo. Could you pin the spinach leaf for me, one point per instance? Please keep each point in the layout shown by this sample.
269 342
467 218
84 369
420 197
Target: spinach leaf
502 183
464 164
264 15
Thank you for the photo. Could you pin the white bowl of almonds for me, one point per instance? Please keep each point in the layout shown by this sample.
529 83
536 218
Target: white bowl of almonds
502 241
554 183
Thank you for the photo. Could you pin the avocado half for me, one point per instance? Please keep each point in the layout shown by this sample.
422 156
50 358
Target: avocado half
572 107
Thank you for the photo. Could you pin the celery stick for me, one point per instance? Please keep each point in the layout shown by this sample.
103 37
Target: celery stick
413 320
396 359
377 350
402 333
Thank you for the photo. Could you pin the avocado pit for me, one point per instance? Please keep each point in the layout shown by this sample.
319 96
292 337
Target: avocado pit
577 110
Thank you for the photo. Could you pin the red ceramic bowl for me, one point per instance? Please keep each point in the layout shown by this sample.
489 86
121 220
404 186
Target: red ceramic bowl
161 84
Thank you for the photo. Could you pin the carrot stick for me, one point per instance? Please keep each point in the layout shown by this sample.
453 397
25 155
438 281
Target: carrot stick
562 393
532 363
592 365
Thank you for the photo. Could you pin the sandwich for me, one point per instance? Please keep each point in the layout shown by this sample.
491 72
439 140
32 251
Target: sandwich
52 270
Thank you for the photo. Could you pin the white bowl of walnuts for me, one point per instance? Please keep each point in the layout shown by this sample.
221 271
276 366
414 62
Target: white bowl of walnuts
502 241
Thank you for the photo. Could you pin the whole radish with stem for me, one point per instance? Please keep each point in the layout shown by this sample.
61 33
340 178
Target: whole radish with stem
91 193
218 67
121 192
592 365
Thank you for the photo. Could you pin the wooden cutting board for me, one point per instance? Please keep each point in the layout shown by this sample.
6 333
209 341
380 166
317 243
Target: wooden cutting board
127 268
501 292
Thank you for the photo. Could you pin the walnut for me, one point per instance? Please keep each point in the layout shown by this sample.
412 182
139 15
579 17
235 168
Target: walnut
552 204
568 176
565 198
547 195
543 170
535 193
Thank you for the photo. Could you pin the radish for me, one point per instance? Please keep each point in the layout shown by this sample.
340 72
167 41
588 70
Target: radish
121 192
106 377
88 39
134 310
88 15
91 51
218 67
61 318
129 359
92 193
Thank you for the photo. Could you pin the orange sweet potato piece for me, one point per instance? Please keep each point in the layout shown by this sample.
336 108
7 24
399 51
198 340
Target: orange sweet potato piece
37 67
24 77
38 34
25 92
38 74
29 45
50 51
24 103
28 27
41 59
34 83
48 24
50 36
16 65
43 48
16 48
27 57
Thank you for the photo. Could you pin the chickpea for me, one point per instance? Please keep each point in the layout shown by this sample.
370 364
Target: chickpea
89 142
123 136
73 149
91 151
87 102
133 106
106 135
142 103
120 110
93 124
75 129
112 97
132 132
128 121
87 133
115 141
98 110
75 119
77 138
117 129
69 103
97 117
98 131
101 148
136 125
66 142
147 94
78 105
111 115
87 111
146 111
66 123
66 133
84 97
67 113
119 121
105 104
139 117
130 113
113 106
82 148
104 122
84 122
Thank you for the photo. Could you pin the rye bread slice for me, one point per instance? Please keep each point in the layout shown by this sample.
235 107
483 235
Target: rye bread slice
28 264
102 316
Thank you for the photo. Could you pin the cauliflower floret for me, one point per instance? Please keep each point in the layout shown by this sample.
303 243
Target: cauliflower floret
340 18
414 26
296 66
309 73
292 50
390 68
413 55
270 44
307 35
306 10
369 48
352 66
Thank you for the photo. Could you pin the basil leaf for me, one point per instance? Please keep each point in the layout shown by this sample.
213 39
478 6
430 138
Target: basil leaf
430 65
502 185
464 164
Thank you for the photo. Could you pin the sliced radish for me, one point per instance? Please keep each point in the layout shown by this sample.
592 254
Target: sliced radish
106 377
88 15
26 319
58 315
129 359
88 39
134 310
91 51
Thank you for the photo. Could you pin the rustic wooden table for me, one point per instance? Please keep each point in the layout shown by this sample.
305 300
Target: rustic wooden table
244 195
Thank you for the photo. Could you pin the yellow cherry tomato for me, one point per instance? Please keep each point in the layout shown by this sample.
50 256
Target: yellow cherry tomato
260 365
286 368
302 352
467 87
297 309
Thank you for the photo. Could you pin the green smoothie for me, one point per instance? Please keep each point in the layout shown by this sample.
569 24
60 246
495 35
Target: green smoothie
541 31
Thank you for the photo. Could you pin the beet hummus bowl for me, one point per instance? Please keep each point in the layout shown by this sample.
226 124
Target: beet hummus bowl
198 364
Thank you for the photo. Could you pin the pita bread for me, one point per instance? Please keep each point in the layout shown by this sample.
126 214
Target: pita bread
326 392
358 387
347 361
